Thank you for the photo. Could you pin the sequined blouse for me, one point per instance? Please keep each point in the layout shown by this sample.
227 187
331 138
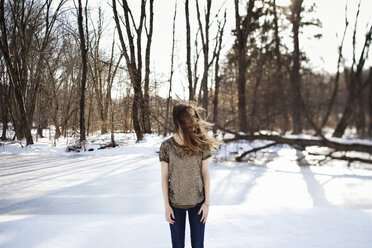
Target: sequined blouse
185 186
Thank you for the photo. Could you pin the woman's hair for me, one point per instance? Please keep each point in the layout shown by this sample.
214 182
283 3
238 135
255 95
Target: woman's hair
186 118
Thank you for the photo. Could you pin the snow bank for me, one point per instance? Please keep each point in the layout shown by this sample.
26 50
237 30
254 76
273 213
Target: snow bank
112 198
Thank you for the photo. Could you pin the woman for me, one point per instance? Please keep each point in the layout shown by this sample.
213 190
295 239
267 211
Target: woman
185 174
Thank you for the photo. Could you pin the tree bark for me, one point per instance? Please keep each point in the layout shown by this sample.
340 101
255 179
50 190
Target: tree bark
146 107
355 84
360 120
169 99
4 109
358 147
204 34
113 143
96 66
370 102
242 30
347 113
281 92
15 78
134 64
25 35
296 9
84 53
254 126
188 52
217 77
337 77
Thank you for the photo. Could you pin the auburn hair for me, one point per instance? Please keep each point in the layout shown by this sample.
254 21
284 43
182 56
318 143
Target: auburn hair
187 119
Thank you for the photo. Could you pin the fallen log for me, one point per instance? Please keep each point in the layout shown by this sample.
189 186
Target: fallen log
349 159
240 158
302 142
358 147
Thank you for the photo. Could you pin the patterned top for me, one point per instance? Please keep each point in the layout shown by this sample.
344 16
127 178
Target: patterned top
186 187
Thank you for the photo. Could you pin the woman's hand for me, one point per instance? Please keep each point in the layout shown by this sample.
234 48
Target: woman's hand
204 211
169 214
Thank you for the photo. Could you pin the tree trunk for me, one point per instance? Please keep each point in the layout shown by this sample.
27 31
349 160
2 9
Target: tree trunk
4 114
280 90
90 110
355 91
169 99
5 125
4 104
55 109
135 112
296 9
370 102
58 131
242 33
146 97
134 64
24 51
42 122
188 52
260 63
204 34
113 143
84 53
337 77
360 121
15 80
14 114
347 115
217 77
355 85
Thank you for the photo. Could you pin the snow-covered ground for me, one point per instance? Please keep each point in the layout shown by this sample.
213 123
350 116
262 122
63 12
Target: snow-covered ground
112 198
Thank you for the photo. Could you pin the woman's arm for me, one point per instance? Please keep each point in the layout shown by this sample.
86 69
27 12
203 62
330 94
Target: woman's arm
164 186
206 181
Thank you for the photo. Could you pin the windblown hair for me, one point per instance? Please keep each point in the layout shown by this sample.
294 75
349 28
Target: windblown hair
186 118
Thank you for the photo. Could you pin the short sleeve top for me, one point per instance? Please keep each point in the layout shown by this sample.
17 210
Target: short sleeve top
186 187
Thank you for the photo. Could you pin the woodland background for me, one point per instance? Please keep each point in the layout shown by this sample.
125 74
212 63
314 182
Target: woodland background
60 69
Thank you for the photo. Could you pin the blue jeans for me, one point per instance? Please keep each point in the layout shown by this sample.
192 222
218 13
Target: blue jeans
196 227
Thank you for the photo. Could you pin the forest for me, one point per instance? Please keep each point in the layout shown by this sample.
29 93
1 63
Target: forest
87 92
61 70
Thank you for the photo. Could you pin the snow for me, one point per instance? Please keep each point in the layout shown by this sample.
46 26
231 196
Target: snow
113 198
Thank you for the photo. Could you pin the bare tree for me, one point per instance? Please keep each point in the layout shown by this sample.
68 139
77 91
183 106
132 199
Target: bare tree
133 58
146 102
204 34
84 62
188 52
112 70
355 84
4 95
296 9
69 85
242 30
196 62
260 62
96 68
279 84
370 102
112 136
337 77
169 99
102 72
26 28
217 76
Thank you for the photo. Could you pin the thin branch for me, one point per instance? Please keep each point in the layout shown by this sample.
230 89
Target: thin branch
240 158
